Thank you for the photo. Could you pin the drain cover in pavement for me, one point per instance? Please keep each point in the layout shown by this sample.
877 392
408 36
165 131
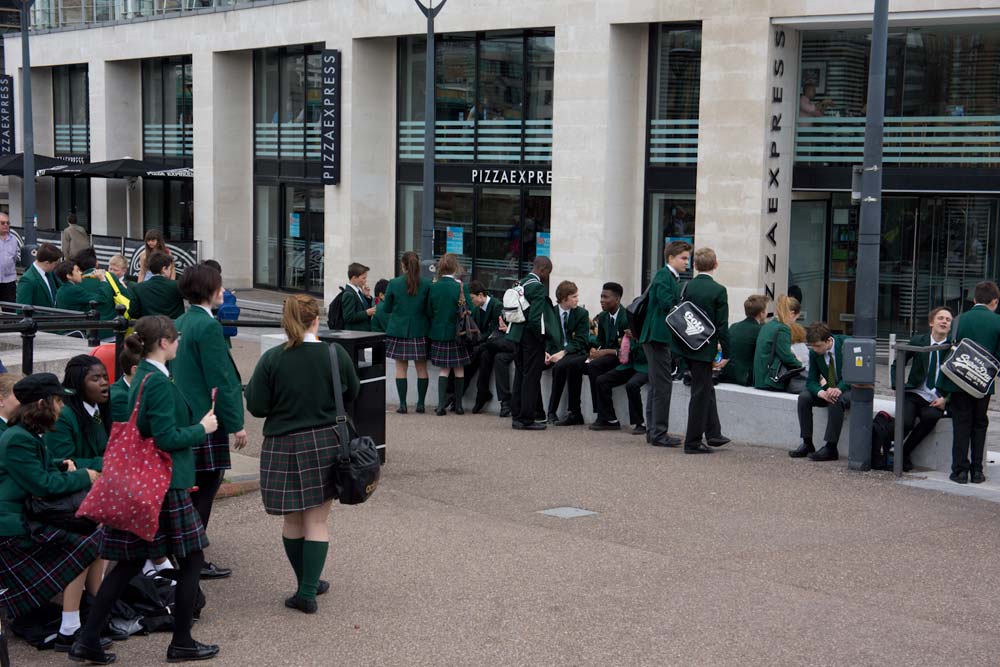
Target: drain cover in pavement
567 512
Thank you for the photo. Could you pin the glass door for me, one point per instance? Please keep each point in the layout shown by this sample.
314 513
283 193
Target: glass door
302 241
899 308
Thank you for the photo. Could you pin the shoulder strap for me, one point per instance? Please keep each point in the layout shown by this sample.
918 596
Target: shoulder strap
774 346
338 396
138 397
684 289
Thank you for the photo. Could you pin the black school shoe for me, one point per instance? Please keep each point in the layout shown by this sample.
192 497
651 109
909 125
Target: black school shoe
504 410
639 429
64 643
960 477
481 402
79 652
827 453
197 652
802 451
571 419
212 571
977 477
601 425
302 604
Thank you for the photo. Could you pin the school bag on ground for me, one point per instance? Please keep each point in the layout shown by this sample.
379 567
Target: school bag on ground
335 313
883 431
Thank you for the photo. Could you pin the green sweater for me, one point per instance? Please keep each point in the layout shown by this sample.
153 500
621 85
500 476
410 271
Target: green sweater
277 393
26 469
67 440
32 290
380 320
354 306
157 296
203 362
407 313
119 401
165 416
442 308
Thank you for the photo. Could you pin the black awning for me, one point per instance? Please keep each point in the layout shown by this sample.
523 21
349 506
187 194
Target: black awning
13 165
121 168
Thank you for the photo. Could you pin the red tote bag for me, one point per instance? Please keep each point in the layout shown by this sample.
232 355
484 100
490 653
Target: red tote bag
129 493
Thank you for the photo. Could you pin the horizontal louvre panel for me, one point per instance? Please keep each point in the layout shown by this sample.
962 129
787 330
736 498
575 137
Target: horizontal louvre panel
499 140
673 142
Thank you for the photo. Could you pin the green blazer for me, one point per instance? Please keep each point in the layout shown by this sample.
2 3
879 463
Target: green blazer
488 320
609 335
713 299
73 296
818 368
100 292
33 291
157 296
920 364
442 308
380 321
407 314
773 333
577 338
354 306
119 401
203 362
68 442
664 294
981 325
539 310
742 347
27 469
165 416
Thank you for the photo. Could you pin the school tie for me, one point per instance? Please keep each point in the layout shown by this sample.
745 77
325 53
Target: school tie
565 318
52 287
831 370
932 372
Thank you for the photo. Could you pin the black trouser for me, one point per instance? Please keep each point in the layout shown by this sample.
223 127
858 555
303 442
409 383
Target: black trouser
969 421
633 382
502 361
208 483
8 292
834 415
595 369
919 419
703 414
568 370
661 385
529 363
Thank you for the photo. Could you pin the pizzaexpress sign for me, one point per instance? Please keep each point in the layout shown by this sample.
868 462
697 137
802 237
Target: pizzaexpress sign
512 176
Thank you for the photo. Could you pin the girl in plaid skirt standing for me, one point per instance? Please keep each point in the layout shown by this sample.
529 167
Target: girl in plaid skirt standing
163 415
406 335
442 310
300 441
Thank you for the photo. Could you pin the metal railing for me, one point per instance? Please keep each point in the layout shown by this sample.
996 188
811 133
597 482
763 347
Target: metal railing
479 140
909 140
673 142
898 455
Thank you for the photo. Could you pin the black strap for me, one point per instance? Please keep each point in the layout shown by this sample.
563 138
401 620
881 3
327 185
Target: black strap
338 394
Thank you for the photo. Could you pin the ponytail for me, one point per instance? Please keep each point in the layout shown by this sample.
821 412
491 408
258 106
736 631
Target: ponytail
411 265
149 331
299 313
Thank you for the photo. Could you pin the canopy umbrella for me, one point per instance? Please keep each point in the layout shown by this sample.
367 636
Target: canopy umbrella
13 165
121 168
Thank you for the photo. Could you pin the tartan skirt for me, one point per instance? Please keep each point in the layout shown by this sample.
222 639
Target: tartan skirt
296 470
212 453
449 354
36 567
180 534
406 349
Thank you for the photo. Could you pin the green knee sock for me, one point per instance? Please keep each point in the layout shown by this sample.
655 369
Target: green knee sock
313 559
422 384
293 549
459 390
401 391
442 389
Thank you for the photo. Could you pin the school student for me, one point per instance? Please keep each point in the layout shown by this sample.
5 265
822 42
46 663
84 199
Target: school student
115 278
774 350
96 288
406 335
611 325
155 243
159 295
923 403
743 342
206 372
825 388
37 287
380 320
703 415
568 356
165 416
8 402
81 432
486 313
969 415
632 374
357 306
127 361
38 562
300 441
503 361
656 339
442 311
530 338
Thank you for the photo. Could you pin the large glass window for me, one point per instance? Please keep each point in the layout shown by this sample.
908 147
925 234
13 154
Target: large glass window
167 108
675 95
72 197
671 218
288 99
168 205
71 111
265 235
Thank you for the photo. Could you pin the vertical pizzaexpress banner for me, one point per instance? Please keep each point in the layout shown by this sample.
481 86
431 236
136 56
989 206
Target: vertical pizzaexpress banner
330 118
6 115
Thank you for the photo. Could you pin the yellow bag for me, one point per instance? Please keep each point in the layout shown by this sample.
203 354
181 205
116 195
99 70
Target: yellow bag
119 297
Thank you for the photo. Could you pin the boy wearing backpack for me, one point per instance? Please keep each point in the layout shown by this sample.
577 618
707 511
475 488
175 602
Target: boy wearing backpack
352 309
527 329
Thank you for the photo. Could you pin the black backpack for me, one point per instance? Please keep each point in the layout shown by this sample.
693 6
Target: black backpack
883 431
335 314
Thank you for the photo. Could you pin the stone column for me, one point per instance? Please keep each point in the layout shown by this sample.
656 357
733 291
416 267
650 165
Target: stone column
44 133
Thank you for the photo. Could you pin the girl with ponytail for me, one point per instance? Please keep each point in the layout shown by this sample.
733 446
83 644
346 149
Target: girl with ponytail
300 441
406 334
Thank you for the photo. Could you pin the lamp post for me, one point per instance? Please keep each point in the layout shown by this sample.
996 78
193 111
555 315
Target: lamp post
866 294
28 148
427 217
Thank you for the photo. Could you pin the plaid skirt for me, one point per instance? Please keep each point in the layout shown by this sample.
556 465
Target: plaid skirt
212 453
406 349
35 567
180 533
449 354
296 470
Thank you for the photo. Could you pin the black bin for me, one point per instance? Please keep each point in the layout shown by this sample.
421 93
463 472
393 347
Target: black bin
367 351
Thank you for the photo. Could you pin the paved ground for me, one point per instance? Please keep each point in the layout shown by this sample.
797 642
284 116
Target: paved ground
739 558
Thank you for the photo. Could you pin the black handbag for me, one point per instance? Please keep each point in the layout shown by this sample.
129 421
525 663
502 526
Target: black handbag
357 468
971 367
779 373
59 512
636 312
690 323
466 330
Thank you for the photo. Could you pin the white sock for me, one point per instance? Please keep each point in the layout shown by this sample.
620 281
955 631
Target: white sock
70 623
165 565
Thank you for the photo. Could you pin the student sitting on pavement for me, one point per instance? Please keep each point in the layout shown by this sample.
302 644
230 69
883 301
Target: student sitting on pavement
743 342
774 350
825 388
569 357
611 325
632 374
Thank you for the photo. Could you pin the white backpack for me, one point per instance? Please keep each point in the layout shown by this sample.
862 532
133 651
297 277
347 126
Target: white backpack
514 303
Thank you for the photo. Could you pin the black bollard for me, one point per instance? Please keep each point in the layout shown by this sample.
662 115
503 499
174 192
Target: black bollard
93 337
28 339
121 326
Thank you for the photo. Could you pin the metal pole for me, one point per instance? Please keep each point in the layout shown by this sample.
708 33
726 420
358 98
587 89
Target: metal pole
866 295
28 341
28 131
897 450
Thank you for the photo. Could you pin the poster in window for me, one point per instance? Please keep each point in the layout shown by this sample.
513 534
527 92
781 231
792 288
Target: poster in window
543 244
456 240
